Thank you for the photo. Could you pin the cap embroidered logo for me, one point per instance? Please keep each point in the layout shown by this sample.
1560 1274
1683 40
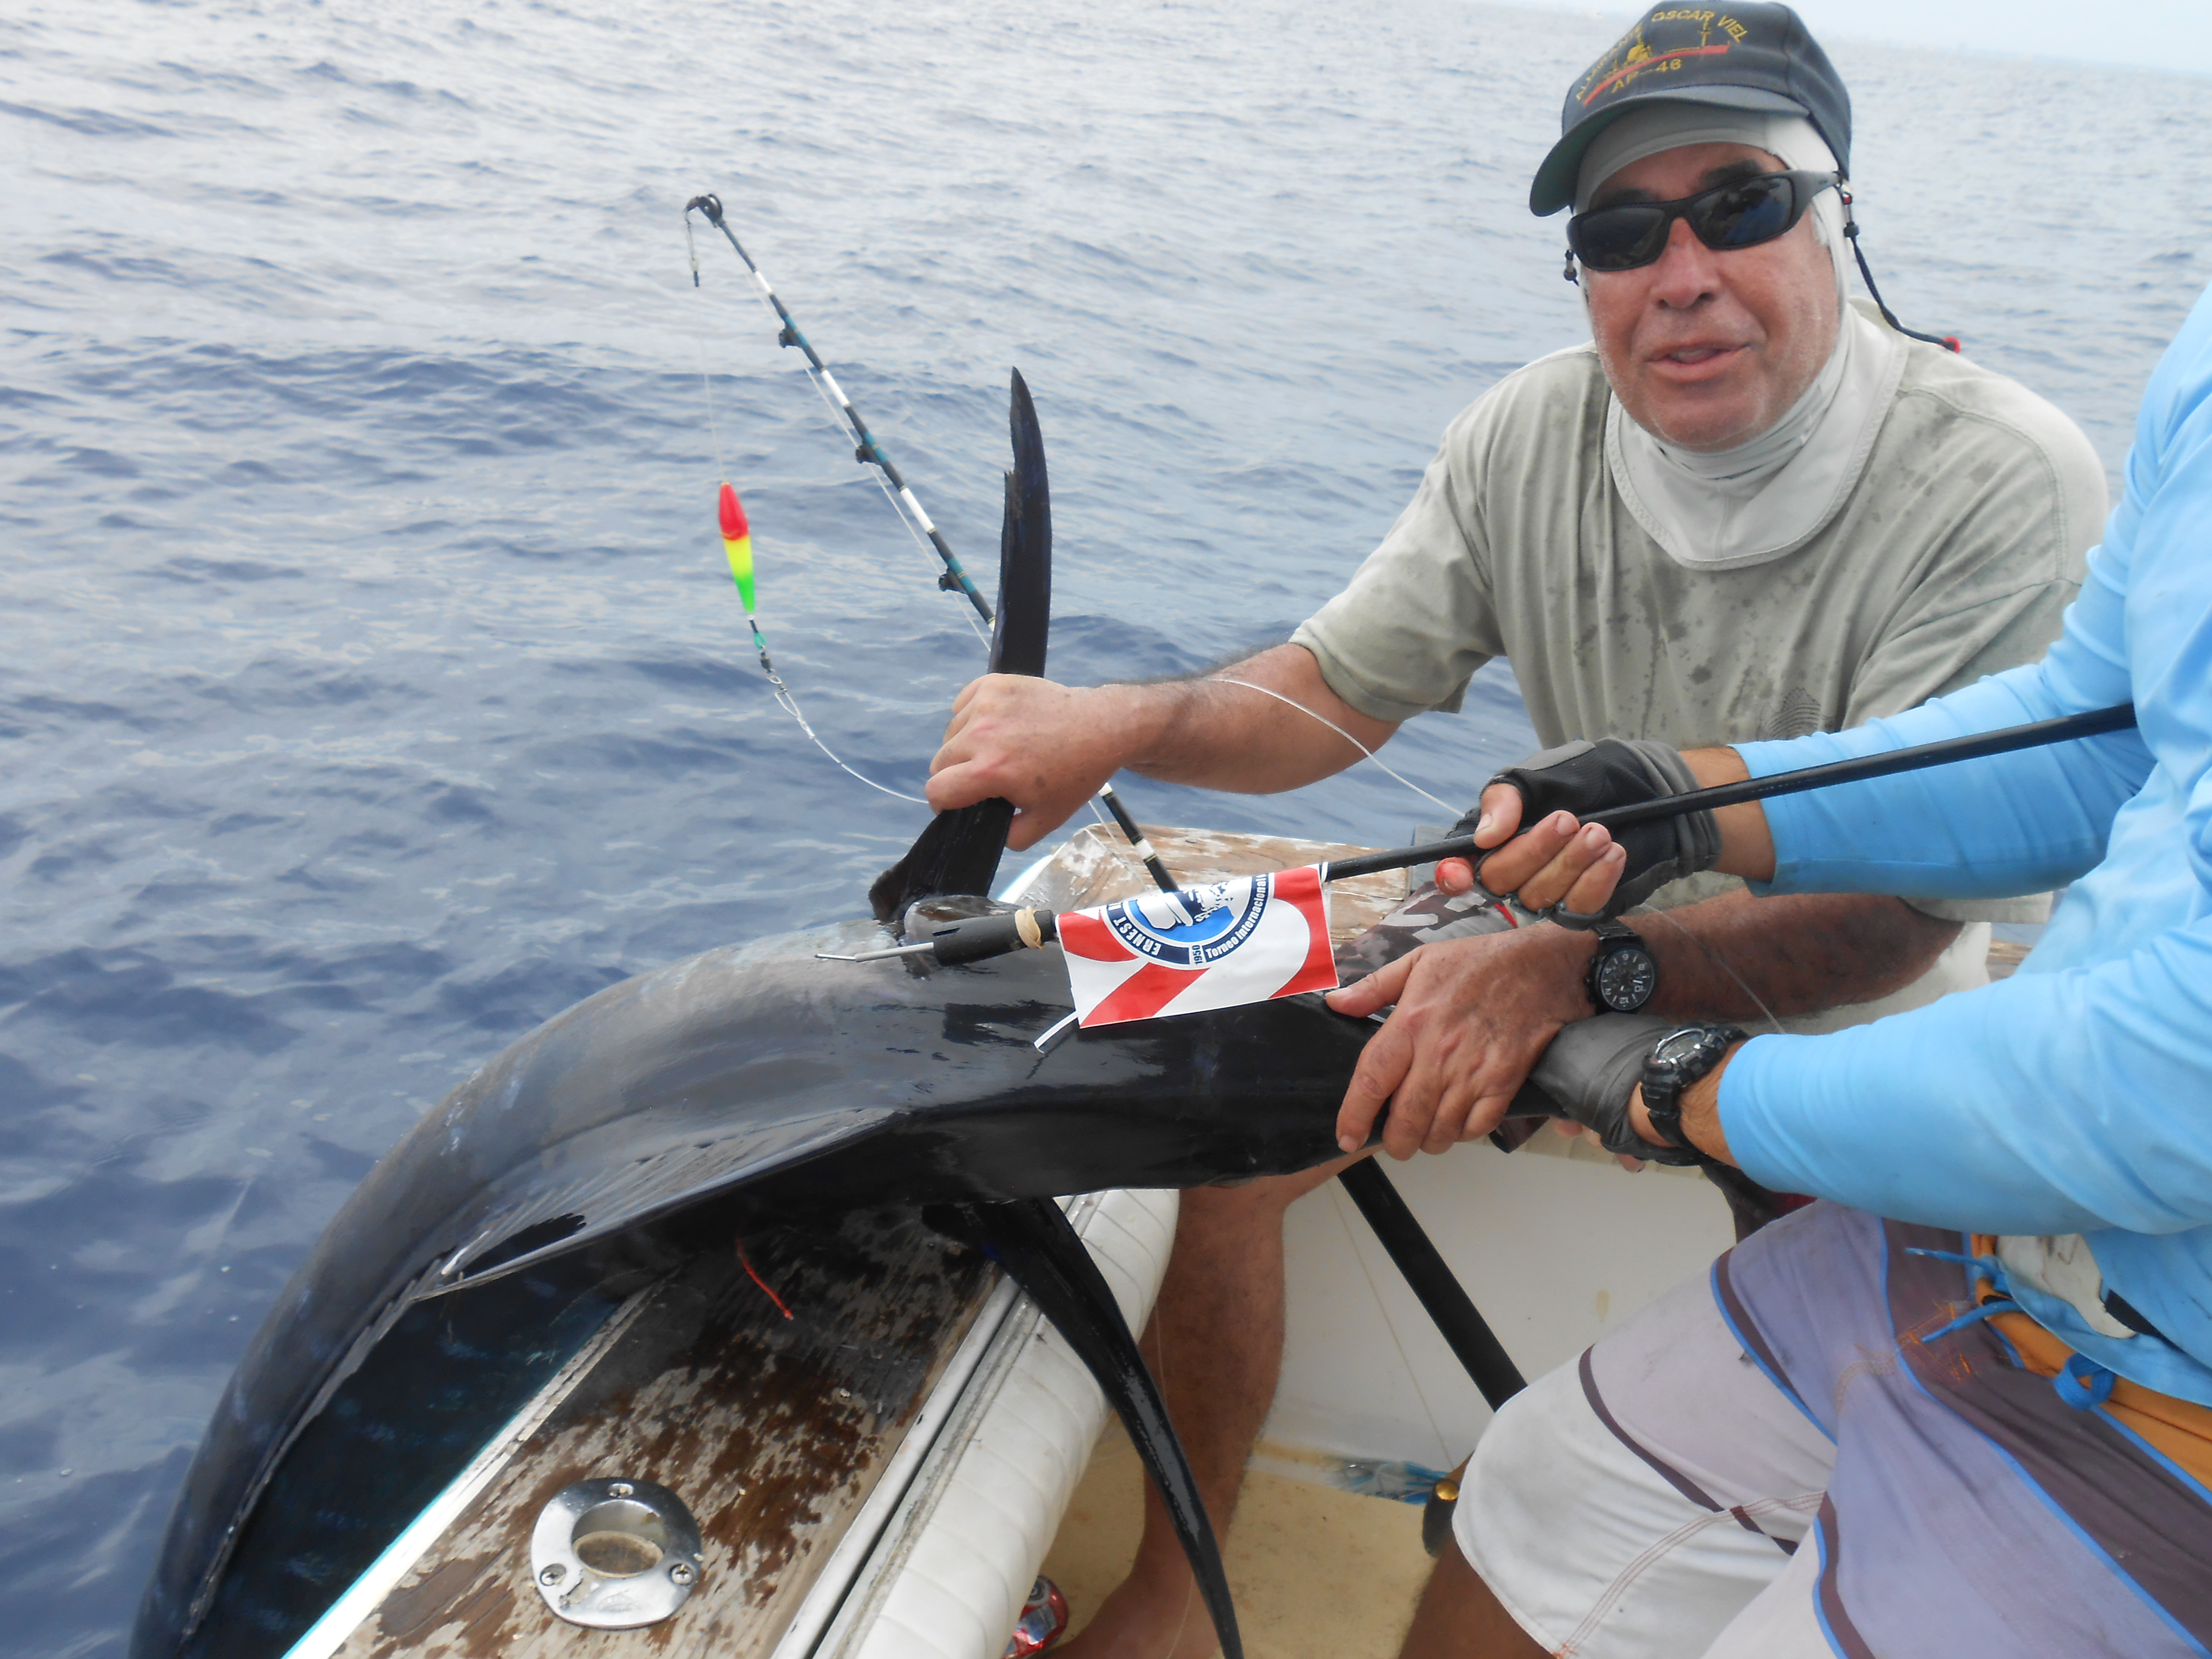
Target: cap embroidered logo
1632 55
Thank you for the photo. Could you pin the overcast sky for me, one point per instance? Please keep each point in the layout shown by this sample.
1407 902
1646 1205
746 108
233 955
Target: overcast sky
2175 34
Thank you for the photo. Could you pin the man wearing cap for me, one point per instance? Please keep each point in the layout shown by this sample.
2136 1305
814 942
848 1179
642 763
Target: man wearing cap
1971 1391
1748 506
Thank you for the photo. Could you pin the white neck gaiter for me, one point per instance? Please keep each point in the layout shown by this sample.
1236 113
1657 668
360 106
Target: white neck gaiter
1770 496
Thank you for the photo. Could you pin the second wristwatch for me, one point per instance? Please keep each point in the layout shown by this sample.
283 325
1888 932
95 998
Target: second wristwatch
1622 976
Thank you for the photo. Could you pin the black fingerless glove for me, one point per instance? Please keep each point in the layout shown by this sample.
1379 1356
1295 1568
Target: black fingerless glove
1582 778
1587 1074
1591 1069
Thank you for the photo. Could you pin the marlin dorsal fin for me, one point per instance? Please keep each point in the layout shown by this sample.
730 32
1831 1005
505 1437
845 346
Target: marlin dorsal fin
958 851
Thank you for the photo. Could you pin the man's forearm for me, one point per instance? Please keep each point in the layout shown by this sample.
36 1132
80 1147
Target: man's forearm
1798 954
1221 736
1047 747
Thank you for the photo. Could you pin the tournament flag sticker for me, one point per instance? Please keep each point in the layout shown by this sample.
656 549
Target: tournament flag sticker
1247 940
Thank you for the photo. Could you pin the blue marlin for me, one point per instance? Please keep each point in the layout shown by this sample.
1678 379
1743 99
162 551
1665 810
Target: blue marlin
455 1281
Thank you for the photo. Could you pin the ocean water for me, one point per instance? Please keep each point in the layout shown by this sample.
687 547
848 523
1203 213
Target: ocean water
370 687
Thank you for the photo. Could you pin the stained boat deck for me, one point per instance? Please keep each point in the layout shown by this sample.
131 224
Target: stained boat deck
775 1431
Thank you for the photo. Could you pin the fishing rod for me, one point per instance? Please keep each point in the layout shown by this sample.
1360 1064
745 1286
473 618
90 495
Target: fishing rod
977 938
955 578
869 452
1945 752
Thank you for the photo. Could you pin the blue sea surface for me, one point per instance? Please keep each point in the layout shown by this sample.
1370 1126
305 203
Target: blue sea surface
371 686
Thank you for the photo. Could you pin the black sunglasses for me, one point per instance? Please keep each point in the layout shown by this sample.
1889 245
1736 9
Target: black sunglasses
1742 213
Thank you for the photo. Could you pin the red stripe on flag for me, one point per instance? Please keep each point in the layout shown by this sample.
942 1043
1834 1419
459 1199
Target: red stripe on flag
1302 887
1086 936
1140 996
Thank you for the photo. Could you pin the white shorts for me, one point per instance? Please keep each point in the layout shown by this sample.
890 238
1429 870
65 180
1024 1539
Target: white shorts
1820 1390
1598 1551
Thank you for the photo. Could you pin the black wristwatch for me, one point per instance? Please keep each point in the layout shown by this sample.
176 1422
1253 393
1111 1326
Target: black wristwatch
1622 976
1677 1060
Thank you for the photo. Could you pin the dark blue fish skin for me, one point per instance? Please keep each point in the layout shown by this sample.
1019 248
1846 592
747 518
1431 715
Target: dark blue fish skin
828 1084
431 1394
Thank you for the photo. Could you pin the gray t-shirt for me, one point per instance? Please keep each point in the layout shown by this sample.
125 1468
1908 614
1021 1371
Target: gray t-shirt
1954 558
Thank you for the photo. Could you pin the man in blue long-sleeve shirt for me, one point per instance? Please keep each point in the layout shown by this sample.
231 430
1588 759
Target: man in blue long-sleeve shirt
1977 1384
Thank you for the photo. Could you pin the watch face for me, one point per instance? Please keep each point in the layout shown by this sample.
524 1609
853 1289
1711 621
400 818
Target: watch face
1678 1046
1625 980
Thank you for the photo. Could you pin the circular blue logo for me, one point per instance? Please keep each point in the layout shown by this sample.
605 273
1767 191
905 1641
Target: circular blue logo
1193 928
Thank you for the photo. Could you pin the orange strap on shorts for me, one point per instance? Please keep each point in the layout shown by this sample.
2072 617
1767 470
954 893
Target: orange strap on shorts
2180 1429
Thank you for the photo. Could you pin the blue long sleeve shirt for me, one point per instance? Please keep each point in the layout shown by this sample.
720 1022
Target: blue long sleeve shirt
2077 1096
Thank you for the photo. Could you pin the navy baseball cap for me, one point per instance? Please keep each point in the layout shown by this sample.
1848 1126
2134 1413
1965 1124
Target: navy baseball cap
1754 57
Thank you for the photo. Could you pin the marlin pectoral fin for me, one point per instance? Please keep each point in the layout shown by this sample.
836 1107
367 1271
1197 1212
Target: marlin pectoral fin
1031 1239
958 851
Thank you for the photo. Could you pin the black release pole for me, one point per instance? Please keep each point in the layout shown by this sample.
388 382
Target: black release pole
1153 867
1441 1295
1418 1262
